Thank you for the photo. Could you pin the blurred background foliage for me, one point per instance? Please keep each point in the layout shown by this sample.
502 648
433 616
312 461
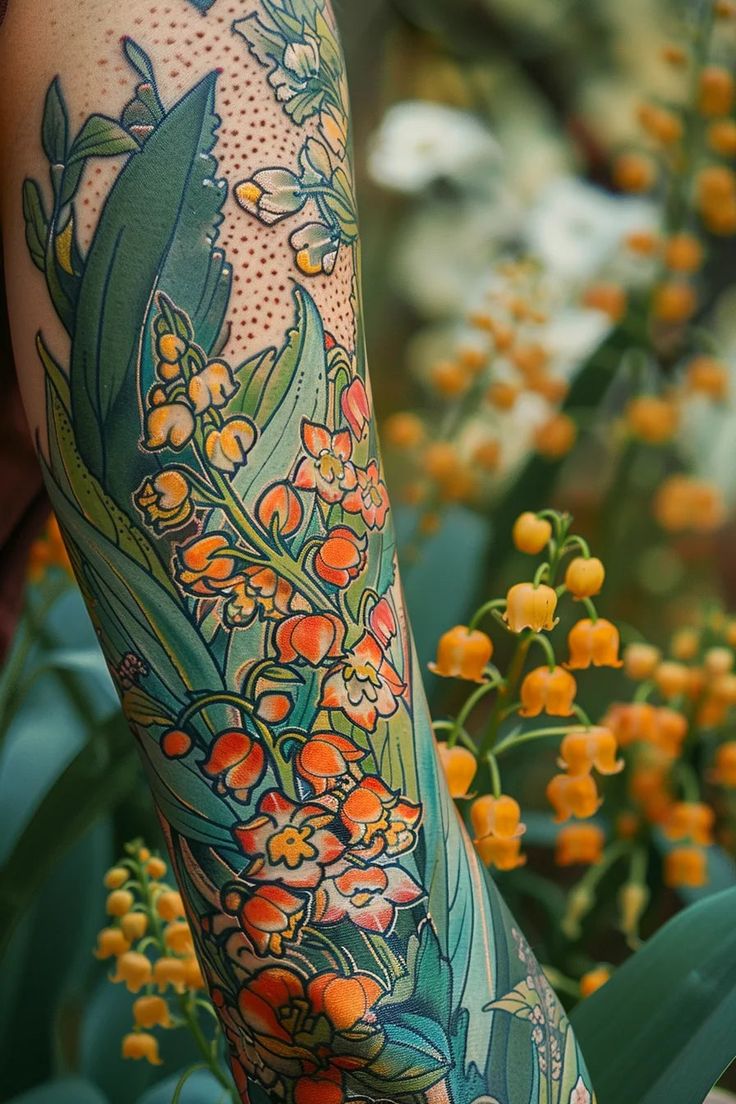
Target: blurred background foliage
488 131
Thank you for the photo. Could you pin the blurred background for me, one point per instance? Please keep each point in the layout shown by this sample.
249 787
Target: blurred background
508 180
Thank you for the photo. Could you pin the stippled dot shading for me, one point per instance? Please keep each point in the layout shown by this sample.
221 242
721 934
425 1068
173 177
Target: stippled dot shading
254 133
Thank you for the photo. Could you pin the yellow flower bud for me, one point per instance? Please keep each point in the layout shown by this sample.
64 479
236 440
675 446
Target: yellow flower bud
685 644
716 91
462 653
151 1012
139 1044
134 925
593 980
116 877
550 691
170 971
633 899
674 302
686 866
718 661
178 937
529 606
722 137
580 901
111 942
403 430
450 378
164 500
214 386
555 437
610 299
441 460
584 576
134 969
579 843
724 769
660 123
593 642
459 765
169 905
119 902
193 978
683 253
227 448
496 816
502 852
708 376
169 424
652 419
156 867
671 679
634 173
641 660
531 533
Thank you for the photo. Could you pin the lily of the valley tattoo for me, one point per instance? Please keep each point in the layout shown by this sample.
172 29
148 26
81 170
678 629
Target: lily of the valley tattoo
230 528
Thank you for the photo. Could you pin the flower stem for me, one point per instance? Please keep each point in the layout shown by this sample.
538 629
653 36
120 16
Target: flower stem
536 734
478 694
495 774
547 648
496 603
506 693
282 563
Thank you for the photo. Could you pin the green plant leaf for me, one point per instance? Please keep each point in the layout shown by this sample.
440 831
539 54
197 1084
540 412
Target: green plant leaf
663 1029
46 967
341 205
37 226
156 231
414 1056
519 1002
454 874
296 388
98 776
139 614
140 60
83 489
55 126
101 137
65 1090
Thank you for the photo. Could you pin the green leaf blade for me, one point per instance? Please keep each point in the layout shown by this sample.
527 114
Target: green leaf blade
36 223
55 125
157 231
663 1028
101 137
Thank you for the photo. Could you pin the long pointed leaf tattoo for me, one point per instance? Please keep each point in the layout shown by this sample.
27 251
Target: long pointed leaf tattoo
230 528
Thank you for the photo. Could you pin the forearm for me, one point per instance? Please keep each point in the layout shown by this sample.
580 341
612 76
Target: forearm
210 450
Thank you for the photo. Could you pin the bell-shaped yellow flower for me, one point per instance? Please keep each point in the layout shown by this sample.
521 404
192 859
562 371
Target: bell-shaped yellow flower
530 607
139 1044
134 969
462 653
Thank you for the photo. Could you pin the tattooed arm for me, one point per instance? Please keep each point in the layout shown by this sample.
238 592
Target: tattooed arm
181 239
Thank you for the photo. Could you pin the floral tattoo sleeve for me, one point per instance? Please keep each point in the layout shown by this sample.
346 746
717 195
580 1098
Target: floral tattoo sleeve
230 528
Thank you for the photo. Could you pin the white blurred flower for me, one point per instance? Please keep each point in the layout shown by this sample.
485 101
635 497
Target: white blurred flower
572 334
419 142
575 229
444 252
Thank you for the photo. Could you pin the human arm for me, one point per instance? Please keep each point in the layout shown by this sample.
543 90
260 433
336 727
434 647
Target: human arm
207 434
